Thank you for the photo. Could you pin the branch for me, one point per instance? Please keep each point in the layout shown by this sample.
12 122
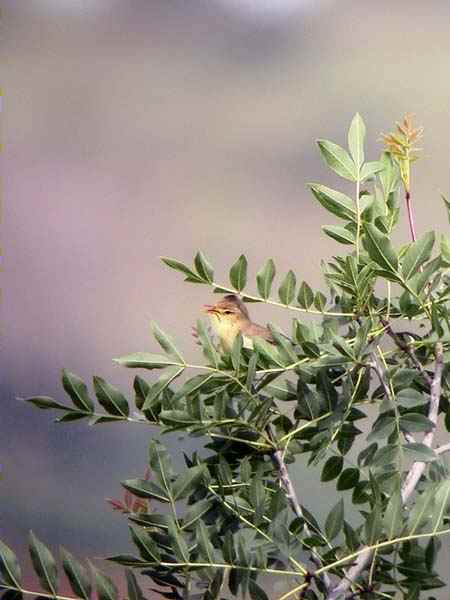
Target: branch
418 468
373 364
372 548
406 348
442 449
252 298
4 586
291 495
410 482
381 376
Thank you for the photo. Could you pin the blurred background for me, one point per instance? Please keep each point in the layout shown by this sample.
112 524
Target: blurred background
144 128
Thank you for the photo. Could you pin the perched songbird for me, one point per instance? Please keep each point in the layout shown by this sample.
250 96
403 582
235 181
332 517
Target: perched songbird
229 317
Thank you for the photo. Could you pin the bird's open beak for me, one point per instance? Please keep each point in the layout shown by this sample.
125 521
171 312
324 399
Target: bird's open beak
209 309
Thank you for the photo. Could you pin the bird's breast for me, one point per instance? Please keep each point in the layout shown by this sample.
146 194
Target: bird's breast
226 332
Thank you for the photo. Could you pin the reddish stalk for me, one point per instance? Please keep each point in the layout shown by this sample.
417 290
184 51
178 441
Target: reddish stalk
410 215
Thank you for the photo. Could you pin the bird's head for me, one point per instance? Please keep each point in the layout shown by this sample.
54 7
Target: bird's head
228 317
229 310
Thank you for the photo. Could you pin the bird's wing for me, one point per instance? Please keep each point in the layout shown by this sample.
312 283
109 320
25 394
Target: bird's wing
252 330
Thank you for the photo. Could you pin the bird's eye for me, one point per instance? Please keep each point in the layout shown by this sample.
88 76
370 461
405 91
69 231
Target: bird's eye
227 312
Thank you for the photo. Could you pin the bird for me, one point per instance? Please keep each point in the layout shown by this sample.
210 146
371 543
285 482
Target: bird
229 317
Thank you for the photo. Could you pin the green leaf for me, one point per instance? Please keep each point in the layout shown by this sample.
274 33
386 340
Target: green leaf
133 588
203 541
445 251
447 206
385 455
145 489
389 176
9 566
264 278
187 482
77 390
422 510
204 268
369 169
393 516
256 591
238 273
196 511
145 360
193 385
267 350
236 352
44 564
417 254
442 505
178 266
348 479
71 415
126 560
286 291
409 398
356 136
342 346
257 497
144 543
14 595
335 520
373 526
251 371
326 388
284 346
380 249
320 301
335 202
340 234
113 401
431 552
147 520
366 455
332 468
77 575
160 385
415 422
141 388
179 546
351 537
106 590
419 452
166 342
421 278
208 347
305 296
45 402
337 159
403 378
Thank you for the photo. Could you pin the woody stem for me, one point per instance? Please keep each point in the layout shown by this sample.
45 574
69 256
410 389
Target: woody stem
410 215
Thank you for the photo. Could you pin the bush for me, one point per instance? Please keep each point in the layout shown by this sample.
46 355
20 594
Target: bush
378 344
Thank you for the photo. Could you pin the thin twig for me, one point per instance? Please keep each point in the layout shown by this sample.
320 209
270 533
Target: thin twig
406 348
39 594
373 364
388 393
410 482
291 495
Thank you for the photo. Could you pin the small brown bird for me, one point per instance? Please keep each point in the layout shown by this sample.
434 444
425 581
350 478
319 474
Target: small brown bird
229 317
